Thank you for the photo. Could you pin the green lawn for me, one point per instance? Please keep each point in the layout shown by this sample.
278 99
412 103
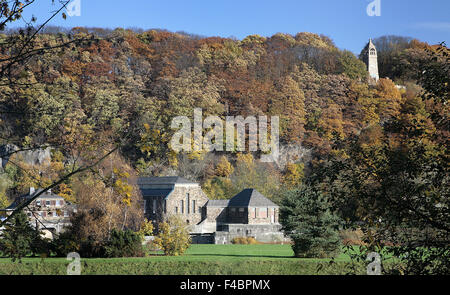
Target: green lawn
199 259
251 252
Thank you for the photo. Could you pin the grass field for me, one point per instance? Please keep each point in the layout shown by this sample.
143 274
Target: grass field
199 259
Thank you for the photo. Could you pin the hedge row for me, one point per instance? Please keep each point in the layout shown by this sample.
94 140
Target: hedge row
148 267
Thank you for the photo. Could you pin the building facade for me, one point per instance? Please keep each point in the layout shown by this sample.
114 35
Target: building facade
164 196
49 213
248 214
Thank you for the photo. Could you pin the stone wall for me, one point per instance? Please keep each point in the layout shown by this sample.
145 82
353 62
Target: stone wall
190 215
202 238
216 214
262 215
237 215
267 233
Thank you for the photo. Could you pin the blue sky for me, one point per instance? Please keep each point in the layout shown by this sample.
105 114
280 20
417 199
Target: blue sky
345 21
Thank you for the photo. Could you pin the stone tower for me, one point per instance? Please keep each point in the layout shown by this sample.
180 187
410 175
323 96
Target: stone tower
369 56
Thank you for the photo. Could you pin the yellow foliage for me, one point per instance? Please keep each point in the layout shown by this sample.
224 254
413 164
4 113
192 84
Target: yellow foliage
173 236
389 98
294 174
245 241
66 192
146 229
122 187
224 168
4 202
196 155
247 159
218 188
173 159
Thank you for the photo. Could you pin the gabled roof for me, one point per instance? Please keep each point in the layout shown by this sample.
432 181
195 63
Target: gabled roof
250 198
217 203
164 180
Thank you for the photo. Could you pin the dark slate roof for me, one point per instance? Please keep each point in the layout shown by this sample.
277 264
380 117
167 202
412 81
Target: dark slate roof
250 198
164 180
217 203
155 192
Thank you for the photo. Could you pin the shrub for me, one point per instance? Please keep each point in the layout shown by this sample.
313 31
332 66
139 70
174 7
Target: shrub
65 243
20 239
173 236
146 229
123 244
245 240
352 237
306 217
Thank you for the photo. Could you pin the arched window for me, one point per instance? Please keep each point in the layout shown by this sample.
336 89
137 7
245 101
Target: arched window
372 51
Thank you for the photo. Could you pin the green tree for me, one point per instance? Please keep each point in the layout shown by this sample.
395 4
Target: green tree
123 244
307 218
353 67
20 239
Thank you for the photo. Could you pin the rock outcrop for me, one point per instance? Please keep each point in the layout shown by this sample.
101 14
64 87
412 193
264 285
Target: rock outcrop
31 157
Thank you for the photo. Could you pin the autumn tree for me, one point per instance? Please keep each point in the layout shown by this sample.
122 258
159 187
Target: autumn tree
224 168
173 236
293 175
388 98
288 102
107 200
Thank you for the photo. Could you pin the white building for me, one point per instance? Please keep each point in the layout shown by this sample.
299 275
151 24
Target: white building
49 212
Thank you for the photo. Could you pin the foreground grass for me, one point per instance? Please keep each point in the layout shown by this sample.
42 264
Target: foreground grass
199 260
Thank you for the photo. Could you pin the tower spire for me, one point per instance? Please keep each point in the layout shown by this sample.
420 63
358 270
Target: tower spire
371 60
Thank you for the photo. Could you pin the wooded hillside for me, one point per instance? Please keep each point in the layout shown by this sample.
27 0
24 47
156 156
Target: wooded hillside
139 80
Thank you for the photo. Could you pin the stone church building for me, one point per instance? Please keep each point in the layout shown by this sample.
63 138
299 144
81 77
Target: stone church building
247 214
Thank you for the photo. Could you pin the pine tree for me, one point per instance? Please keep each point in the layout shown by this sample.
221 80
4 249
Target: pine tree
20 239
306 217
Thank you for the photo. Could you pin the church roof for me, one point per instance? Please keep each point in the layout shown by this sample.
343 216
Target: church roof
250 198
